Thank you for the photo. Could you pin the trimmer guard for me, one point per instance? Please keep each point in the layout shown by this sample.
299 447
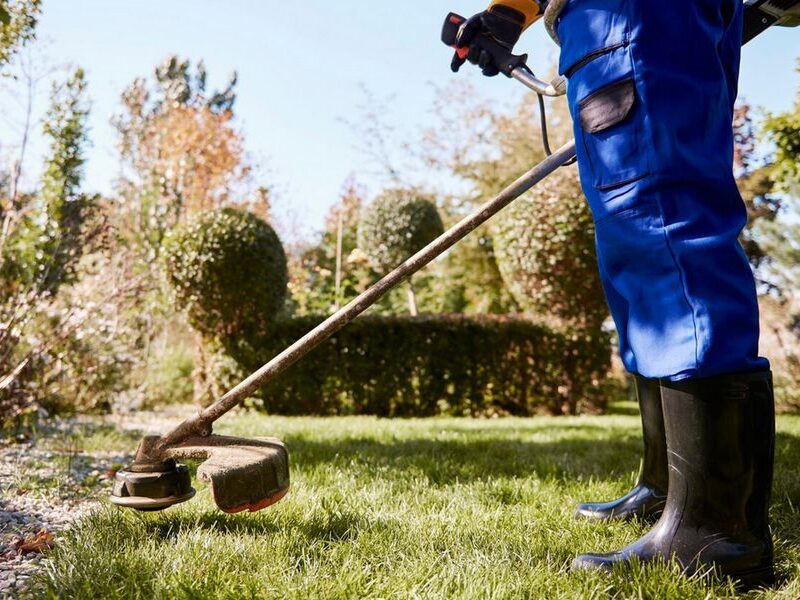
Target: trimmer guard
244 474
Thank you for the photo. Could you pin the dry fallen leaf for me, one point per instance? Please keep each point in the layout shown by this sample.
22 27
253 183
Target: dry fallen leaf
34 544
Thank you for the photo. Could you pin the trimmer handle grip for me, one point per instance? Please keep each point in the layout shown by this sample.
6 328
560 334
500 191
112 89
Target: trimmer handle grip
450 29
502 56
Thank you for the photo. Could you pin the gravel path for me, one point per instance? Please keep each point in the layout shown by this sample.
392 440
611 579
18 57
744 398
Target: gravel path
49 482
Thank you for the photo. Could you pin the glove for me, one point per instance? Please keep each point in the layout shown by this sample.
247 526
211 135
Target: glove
501 23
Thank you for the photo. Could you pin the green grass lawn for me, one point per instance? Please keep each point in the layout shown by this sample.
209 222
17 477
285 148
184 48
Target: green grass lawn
428 508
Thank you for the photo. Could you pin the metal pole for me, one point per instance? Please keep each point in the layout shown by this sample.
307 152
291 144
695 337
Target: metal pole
557 87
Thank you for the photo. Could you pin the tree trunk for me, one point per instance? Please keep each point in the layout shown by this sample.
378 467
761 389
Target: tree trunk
412 299
338 282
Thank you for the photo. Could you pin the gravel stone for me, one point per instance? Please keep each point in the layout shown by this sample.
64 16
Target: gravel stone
43 488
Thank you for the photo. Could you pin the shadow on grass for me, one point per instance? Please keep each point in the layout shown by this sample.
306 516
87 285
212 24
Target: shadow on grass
327 525
445 461
170 526
580 451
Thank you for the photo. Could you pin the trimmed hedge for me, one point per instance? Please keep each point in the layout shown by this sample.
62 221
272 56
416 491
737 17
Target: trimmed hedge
455 365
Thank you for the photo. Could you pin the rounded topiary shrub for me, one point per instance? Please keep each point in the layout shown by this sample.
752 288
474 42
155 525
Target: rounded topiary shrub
228 271
544 245
395 225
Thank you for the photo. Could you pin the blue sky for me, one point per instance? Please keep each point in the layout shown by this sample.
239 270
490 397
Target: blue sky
302 65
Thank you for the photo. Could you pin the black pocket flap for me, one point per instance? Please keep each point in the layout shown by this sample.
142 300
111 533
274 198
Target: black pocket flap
607 106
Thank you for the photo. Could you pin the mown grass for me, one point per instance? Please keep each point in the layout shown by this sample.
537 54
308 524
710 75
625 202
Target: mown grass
428 508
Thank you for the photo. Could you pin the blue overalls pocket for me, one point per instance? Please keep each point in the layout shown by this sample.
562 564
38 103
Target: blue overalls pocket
603 97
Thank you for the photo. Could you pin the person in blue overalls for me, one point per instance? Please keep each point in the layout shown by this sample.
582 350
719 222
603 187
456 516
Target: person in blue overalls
651 89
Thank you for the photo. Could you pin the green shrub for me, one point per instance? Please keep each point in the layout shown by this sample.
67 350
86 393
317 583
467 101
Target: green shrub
782 130
227 269
544 244
169 377
395 225
403 366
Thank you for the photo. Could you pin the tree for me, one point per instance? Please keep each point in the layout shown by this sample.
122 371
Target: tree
17 26
314 267
770 236
783 130
397 224
763 208
541 248
485 149
757 188
44 249
65 207
467 279
770 187
183 153
18 19
42 253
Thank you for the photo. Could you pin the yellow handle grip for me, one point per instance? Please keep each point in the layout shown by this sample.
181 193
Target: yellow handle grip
529 8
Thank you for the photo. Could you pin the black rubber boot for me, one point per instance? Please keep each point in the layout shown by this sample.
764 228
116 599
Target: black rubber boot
720 441
647 498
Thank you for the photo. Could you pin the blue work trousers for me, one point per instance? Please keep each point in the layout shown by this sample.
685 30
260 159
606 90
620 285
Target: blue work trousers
651 88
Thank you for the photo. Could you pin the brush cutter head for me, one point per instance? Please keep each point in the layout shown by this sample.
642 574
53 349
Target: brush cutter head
244 474
152 486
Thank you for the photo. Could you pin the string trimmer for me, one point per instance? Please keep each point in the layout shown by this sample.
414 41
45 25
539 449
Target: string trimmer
250 474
